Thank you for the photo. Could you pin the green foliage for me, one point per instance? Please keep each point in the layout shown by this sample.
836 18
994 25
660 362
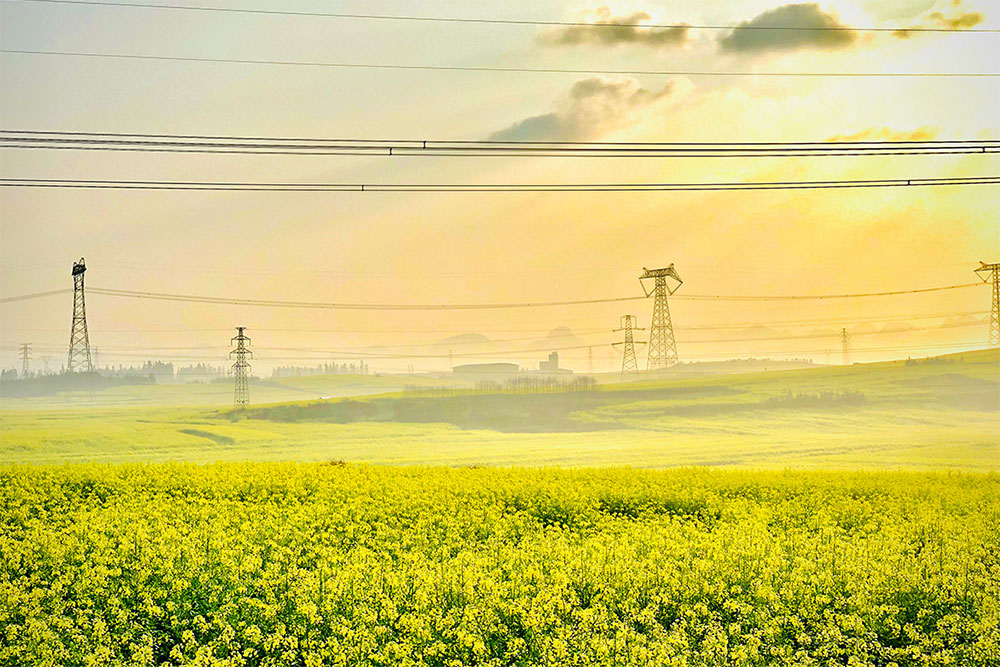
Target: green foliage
294 564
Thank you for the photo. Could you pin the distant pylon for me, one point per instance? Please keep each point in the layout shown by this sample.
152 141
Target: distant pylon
629 364
845 344
79 339
590 360
25 355
987 272
662 351
241 368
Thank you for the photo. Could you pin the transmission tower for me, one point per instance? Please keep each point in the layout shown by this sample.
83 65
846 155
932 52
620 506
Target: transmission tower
987 272
845 344
25 355
629 364
241 369
79 340
662 345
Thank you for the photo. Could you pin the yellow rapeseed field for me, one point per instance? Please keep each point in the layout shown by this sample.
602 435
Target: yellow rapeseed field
310 564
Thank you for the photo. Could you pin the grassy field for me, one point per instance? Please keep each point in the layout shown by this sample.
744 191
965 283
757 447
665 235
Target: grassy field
137 556
221 393
312 564
935 414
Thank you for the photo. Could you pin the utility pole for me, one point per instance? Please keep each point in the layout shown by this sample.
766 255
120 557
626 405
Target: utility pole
988 272
79 340
629 364
662 352
241 369
845 344
25 355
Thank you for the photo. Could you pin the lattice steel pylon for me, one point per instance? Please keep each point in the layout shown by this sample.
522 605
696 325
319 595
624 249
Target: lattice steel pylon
629 364
241 368
79 340
662 345
25 356
845 346
992 272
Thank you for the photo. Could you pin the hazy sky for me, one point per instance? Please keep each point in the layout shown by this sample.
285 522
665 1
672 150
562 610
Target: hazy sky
441 248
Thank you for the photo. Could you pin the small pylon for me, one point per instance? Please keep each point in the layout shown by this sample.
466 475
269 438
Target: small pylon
662 345
845 344
629 364
992 272
241 368
25 356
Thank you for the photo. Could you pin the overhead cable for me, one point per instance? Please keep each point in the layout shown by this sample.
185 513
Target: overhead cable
502 21
166 143
273 303
90 184
485 68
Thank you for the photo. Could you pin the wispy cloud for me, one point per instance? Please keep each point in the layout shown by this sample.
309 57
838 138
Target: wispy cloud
625 30
887 134
593 106
949 18
765 32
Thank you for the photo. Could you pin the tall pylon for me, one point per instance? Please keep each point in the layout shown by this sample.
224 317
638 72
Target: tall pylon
25 356
845 345
662 345
79 340
241 368
629 364
988 272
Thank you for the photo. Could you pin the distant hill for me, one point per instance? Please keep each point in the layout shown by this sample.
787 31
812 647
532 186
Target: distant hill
464 339
559 337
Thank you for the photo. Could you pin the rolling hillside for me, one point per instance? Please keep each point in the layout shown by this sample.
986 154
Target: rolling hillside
933 413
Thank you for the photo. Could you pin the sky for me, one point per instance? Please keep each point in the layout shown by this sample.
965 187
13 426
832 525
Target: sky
497 247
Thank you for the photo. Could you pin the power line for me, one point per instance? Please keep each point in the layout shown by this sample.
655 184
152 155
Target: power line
273 303
348 355
230 186
789 297
542 331
347 306
485 68
36 295
488 21
167 143
374 350
522 143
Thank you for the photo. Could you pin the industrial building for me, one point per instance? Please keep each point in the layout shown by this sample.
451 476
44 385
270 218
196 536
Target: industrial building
552 365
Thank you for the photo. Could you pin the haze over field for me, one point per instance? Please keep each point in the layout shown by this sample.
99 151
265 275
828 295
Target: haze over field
434 248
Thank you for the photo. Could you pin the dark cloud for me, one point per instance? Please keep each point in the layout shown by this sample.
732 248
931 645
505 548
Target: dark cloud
887 134
957 20
759 34
593 106
624 32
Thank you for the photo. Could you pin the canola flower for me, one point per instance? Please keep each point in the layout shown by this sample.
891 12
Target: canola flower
294 564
